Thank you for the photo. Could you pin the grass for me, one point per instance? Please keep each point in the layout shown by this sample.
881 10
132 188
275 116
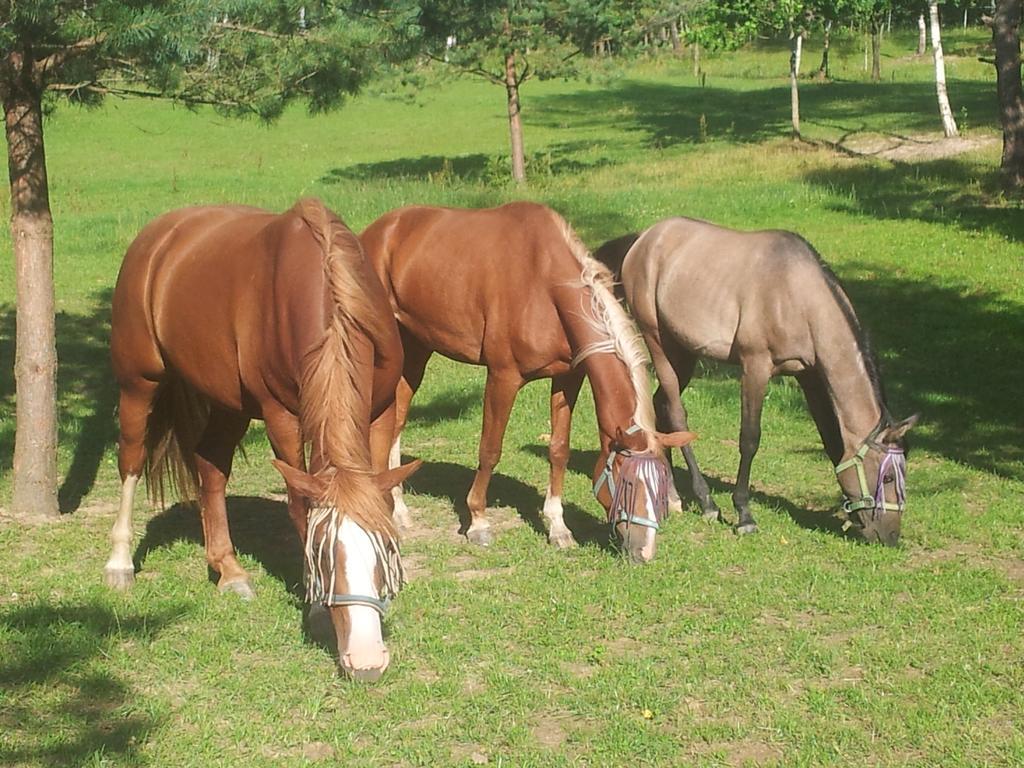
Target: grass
795 647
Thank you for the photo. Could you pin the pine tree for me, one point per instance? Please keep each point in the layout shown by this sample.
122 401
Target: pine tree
242 57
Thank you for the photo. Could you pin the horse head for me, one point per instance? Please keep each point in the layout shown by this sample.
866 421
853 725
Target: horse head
632 484
874 482
351 568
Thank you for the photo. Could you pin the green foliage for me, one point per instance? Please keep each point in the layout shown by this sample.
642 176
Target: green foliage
244 57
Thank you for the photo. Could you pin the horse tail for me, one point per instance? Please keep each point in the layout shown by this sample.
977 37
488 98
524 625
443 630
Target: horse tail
609 318
173 430
329 397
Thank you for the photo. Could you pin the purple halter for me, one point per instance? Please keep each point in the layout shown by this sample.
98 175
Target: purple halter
894 461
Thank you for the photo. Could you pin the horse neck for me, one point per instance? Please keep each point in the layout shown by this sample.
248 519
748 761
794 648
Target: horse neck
616 400
854 396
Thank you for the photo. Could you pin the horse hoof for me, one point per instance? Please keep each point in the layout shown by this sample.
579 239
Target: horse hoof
119 578
743 530
562 541
371 675
712 515
482 537
241 588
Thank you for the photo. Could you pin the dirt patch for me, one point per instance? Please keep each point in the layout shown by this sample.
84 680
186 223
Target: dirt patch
578 670
742 753
552 730
913 149
473 754
471 574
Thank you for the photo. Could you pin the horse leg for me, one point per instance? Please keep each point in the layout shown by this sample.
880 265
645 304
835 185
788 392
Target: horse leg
753 384
416 357
133 412
674 373
499 394
824 415
286 439
214 456
564 391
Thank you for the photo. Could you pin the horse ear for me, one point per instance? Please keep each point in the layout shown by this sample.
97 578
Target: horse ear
301 482
390 478
896 432
675 439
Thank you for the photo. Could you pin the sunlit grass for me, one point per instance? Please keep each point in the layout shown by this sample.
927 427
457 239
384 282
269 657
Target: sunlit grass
794 647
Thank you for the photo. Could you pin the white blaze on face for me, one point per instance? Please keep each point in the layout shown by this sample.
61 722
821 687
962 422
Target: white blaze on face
650 479
365 648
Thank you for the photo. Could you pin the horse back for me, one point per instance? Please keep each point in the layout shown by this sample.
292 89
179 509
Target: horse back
476 285
724 293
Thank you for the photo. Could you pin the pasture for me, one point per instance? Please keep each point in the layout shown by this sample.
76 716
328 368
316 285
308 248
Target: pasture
795 646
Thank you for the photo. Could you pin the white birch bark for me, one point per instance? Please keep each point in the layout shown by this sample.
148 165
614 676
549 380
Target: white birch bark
948 123
922 35
794 72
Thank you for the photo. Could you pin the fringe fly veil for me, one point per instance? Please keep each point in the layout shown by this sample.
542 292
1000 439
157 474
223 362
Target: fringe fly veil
329 403
609 319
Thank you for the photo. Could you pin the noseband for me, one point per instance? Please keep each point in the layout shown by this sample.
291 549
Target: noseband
321 563
636 468
894 459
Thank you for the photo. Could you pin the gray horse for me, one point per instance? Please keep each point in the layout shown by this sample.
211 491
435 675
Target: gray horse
768 303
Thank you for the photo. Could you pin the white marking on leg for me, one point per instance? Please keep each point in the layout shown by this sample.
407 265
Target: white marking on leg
401 514
675 503
121 534
558 533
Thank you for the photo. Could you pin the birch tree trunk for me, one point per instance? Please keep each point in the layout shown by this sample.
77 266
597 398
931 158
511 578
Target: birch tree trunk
515 124
794 72
674 33
823 70
876 49
35 367
948 123
1006 40
922 35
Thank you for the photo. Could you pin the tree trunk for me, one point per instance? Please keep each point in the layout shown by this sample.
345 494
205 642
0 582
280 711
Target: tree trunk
823 70
35 367
794 73
674 34
696 58
515 124
876 50
1006 40
922 35
948 123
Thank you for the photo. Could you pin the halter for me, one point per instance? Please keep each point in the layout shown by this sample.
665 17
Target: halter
322 566
641 466
894 459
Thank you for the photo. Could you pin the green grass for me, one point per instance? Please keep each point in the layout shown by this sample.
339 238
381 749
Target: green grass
797 646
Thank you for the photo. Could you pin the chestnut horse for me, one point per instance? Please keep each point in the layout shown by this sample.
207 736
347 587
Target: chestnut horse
223 314
767 302
514 289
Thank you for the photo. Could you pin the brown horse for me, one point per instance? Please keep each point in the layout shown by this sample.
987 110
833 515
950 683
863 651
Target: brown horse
767 302
226 314
513 289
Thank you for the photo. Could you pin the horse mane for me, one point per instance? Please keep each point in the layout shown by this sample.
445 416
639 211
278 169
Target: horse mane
860 334
610 319
329 399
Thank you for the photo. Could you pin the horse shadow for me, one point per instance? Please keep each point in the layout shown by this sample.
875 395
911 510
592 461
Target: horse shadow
84 702
810 519
260 529
451 482
86 394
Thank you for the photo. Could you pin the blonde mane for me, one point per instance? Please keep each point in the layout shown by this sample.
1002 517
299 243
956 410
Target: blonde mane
609 318
328 393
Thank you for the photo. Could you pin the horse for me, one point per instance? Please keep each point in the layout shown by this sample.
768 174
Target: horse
767 302
223 314
514 289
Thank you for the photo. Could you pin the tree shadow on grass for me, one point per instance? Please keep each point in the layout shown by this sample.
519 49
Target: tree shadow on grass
62 706
670 114
451 482
946 192
86 392
444 406
955 355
